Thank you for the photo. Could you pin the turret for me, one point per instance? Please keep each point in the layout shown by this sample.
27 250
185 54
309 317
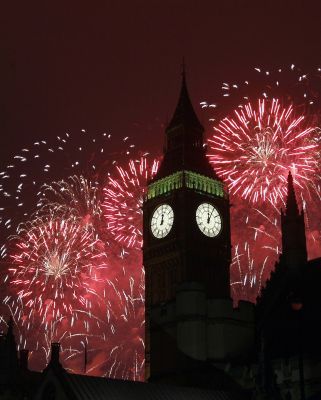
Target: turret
294 250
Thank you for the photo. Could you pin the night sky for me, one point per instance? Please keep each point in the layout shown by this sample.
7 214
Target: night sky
115 65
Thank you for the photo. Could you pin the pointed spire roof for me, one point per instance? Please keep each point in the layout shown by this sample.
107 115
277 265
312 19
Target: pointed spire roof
184 113
184 144
291 203
294 249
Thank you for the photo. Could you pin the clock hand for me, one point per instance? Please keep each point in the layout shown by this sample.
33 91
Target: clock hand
209 215
162 220
209 218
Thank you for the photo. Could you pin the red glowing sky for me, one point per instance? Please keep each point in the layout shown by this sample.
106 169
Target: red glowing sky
115 64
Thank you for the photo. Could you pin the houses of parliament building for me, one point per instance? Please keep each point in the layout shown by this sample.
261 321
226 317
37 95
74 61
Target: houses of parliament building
198 345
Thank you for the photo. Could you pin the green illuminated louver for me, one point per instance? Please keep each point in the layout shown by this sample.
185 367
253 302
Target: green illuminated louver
165 185
188 179
204 184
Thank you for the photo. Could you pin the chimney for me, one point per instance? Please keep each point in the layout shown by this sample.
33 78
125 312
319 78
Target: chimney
23 359
54 359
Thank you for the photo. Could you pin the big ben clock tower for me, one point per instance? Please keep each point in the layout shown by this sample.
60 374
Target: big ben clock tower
187 247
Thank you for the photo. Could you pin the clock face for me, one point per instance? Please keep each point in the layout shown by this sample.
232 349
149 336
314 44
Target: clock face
208 220
162 221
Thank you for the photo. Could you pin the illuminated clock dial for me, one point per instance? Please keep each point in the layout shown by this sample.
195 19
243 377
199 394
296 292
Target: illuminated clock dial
208 220
162 221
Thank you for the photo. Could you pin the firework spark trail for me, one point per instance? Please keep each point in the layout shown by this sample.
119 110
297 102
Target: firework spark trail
123 200
77 195
122 206
126 358
256 252
249 279
254 150
119 352
268 228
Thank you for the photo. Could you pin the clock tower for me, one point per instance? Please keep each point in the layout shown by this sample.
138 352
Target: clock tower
187 247
186 214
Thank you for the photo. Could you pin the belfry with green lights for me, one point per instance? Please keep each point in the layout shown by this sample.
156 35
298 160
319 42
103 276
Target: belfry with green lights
190 320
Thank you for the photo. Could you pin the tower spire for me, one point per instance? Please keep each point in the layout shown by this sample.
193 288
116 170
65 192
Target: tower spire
183 68
184 139
184 113
291 203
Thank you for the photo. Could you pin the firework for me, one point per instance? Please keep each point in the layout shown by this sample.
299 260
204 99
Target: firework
56 266
256 148
248 280
123 200
61 283
122 209
56 285
76 195
66 282
126 355
92 308
256 237
82 153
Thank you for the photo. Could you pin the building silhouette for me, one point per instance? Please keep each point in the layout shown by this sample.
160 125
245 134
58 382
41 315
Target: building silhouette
288 319
198 345
16 380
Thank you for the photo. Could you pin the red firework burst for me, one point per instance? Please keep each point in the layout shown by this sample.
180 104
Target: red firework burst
56 267
255 149
123 200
